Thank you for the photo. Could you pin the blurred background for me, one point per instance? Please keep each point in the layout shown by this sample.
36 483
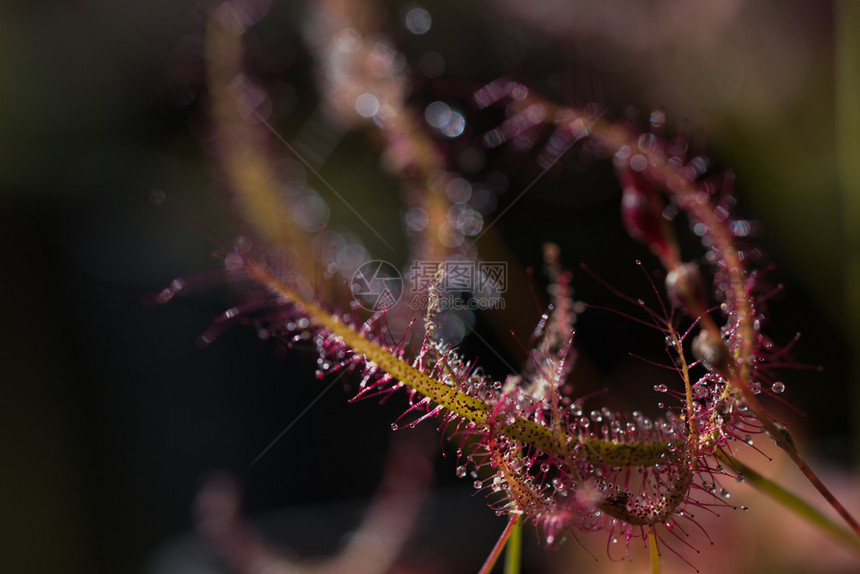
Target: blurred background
113 416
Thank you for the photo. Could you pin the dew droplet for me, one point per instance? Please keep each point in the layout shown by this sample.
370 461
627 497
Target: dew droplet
393 426
778 387
461 471
661 388
725 494
367 105
417 20
745 508
477 484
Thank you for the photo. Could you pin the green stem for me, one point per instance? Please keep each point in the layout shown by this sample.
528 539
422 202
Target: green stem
791 501
514 550
785 443
655 552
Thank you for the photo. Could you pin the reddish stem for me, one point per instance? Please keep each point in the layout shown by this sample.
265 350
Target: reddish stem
500 545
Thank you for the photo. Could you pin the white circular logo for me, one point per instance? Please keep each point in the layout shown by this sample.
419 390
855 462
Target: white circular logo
377 285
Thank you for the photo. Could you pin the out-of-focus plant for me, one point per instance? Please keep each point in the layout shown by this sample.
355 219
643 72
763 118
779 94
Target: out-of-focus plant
528 442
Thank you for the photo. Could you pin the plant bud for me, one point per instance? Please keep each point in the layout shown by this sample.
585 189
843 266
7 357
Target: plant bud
641 212
685 288
710 348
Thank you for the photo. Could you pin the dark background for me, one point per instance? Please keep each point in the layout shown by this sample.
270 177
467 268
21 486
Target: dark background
112 415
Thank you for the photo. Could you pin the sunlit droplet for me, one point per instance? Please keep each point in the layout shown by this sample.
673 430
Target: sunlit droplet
458 190
416 219
437 114
417 20
367 105
456 125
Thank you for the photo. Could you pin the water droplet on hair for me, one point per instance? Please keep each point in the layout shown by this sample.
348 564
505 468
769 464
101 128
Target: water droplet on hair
661 388
461 471
778 387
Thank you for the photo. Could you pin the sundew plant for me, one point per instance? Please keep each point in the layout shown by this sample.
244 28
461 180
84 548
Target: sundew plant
389 321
